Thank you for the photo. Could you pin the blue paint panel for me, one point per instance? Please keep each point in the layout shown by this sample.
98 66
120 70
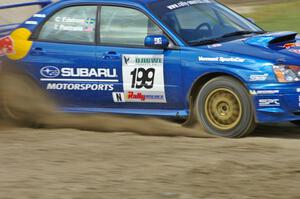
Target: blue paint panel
68 56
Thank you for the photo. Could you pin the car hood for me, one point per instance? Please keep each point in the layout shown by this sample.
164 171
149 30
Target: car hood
277 47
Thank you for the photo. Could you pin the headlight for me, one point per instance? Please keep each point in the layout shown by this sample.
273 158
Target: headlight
286 73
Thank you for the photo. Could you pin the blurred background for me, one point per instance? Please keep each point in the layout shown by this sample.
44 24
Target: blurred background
271 15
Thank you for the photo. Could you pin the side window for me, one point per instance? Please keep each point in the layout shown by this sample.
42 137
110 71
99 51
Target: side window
73 24
125 26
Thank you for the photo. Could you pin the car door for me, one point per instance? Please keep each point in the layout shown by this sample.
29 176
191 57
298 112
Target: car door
148 78
63 58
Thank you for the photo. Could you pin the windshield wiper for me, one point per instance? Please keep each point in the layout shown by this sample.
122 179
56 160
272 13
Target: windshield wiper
244 32
219 39
204 42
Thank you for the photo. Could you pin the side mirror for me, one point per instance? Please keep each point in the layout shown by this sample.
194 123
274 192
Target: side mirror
157 41
251 20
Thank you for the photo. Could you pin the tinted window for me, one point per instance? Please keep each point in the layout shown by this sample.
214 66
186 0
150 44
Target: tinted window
125 26
72 24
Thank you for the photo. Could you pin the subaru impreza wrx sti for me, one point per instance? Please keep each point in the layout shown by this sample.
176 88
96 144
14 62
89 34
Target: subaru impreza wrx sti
195 59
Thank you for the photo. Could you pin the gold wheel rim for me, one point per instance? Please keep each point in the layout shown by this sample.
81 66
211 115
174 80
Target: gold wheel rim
223 109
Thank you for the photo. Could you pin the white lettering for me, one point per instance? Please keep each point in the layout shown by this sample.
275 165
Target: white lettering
39 15
262 77
269 102
80 87
31 22
186 3
221 59
89 72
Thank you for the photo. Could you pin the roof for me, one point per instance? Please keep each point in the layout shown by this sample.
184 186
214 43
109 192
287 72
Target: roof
111 1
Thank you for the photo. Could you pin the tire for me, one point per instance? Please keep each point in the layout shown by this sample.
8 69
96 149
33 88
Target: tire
224 108
22 101
297 122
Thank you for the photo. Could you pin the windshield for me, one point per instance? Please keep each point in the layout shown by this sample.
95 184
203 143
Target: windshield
196 21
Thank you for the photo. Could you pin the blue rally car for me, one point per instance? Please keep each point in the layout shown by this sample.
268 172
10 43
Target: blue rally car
191 59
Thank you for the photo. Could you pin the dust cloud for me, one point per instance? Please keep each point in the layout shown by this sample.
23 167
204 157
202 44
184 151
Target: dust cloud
23 101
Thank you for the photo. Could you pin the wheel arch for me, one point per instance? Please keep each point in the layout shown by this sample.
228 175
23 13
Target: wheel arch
200 82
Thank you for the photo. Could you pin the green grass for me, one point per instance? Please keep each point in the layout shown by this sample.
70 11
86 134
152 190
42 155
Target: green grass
278 16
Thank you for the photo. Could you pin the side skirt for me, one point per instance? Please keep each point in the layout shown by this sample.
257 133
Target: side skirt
180 114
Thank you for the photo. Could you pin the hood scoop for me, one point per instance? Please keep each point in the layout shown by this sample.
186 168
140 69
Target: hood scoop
266 40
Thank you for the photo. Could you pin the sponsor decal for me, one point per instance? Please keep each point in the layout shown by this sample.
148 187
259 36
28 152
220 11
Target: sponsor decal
89 72
21 43
118 97
252 92
157 41
269 102
221 59
6 45
135 96
75 20
214 45
291 45
17 45
87 79
39 15
267 64
53 72
141 97
82 25
143 78
132 96
255 78
31 22
62 27
80 86
264 92
50 71
298 90
182 4
297 51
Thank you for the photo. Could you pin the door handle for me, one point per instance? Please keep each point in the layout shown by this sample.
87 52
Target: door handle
111 55
37 51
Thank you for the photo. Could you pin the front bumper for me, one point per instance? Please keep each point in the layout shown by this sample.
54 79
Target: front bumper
276 102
